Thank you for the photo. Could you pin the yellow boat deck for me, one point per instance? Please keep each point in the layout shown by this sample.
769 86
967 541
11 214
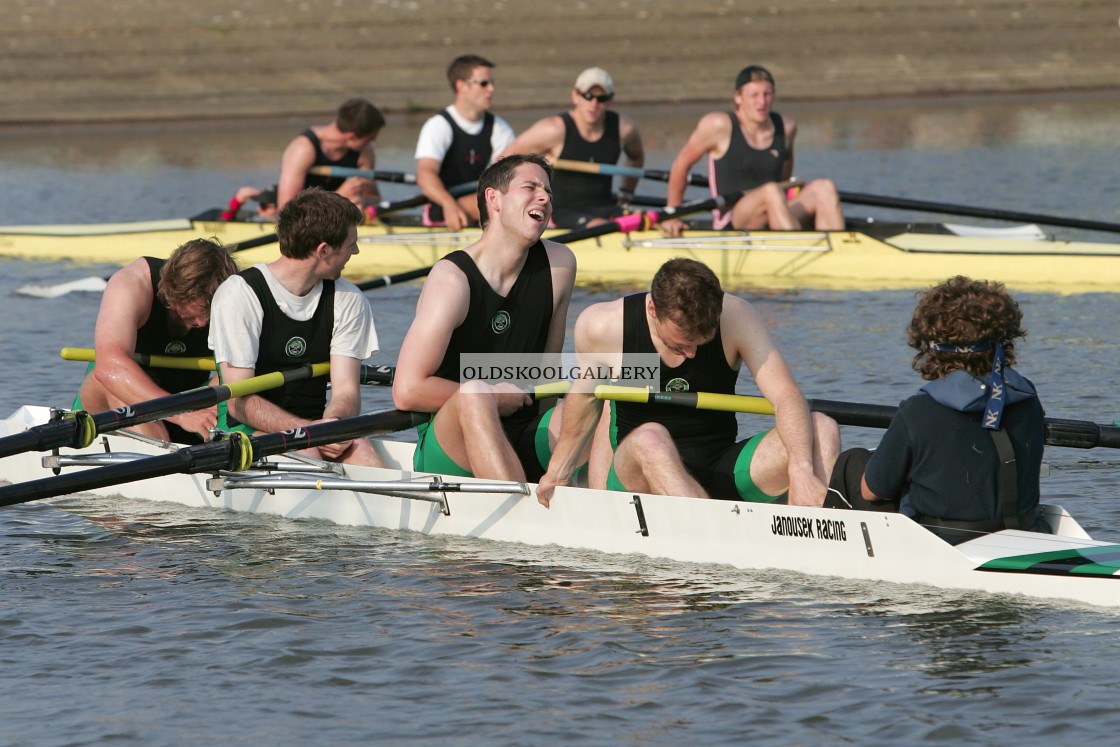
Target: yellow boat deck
842 260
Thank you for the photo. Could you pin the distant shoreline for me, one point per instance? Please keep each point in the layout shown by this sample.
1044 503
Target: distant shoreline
88 62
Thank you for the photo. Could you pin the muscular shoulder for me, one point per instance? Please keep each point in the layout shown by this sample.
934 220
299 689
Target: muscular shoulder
543 136
599 327
560 255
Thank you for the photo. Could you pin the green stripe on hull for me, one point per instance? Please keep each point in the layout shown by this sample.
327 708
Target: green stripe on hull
1084 561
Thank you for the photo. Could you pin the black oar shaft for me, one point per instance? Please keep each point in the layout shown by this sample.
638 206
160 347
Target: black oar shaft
901 203
232 454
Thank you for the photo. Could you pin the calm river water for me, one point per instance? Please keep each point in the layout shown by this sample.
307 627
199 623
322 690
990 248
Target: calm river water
145 623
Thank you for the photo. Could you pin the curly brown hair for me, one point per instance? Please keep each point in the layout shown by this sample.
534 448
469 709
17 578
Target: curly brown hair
963 311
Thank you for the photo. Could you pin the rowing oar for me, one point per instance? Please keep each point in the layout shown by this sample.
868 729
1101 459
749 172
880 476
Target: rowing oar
858 198
625 223
610 169
399 177
236 453
385 208
78 429
902 203
378 375
1076 434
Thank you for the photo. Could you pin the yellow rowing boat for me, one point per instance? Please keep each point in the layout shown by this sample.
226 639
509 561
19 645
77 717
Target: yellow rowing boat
878 257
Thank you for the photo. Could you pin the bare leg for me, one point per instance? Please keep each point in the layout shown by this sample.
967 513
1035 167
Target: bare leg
764 207
470 432
770 465
818 203
647 461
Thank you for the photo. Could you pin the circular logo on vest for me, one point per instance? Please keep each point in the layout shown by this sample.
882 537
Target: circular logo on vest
295 347
175 347
501 321
677 385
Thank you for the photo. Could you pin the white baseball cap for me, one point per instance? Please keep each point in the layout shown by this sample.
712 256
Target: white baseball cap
595 76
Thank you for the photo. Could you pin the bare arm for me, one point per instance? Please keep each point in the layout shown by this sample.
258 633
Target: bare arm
346 398
791 133
563 263
254 410
297 159
442 307
793 422
427 178
125 307
598 341
545 138
710 136
359 190
632 149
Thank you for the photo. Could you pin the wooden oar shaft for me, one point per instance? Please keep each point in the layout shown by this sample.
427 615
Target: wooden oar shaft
236 453
379 375
399 177
901 203
1076 434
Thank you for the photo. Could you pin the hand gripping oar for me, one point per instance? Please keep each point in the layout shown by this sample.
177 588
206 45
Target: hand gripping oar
901 203
625 223
1075 434
78 429
399 177
378 375
236 453
610 169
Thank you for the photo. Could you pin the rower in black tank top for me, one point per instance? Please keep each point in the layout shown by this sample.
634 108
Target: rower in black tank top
349 159
707 371
743 167
286 344
465 160
515 323
577 195
157 338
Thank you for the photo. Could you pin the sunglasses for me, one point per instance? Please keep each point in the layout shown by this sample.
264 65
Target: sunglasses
482 83
604 98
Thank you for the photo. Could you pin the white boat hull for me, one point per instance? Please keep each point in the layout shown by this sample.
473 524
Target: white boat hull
825 542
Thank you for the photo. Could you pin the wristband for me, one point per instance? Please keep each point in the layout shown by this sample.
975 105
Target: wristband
231 212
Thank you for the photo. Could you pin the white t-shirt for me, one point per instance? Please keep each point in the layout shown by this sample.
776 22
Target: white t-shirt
436 135
236 317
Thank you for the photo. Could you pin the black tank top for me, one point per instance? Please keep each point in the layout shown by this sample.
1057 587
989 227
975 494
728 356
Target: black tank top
157 338
573 190
286 344
743 167
706 372
515 323
466 159
330 183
